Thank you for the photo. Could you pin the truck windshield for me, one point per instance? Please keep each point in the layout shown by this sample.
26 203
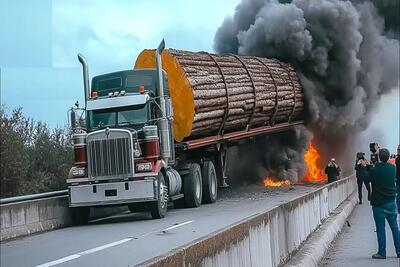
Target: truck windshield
130 116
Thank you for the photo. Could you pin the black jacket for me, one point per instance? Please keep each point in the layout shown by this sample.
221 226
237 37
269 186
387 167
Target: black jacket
382 178
361 171
332 171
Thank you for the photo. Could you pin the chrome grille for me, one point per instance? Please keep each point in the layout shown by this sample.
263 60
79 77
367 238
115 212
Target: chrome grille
110 155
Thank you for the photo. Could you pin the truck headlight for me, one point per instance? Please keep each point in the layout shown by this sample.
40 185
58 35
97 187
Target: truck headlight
144 167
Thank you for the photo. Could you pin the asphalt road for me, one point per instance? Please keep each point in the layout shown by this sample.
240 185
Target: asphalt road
129 239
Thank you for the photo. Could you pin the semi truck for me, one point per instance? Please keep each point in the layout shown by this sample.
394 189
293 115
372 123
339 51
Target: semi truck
159 133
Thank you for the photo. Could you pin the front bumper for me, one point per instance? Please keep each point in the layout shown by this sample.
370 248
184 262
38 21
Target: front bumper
113 193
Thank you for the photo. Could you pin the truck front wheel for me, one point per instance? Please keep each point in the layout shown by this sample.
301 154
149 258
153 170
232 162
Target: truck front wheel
192 186
158 208
209 182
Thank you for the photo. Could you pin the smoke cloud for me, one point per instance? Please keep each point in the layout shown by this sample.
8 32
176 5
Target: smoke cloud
346 54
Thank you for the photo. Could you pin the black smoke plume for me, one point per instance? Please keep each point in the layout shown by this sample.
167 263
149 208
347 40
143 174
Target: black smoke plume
346 53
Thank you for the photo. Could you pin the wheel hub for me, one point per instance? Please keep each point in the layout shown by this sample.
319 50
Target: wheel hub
163 195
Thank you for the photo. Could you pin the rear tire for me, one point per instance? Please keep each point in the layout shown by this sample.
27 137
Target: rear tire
210 184
192 186
158 209
80 216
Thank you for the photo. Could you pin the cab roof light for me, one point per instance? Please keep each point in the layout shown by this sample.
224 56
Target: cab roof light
94 94
122 92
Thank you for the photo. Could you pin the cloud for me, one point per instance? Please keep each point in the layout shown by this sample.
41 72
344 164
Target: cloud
112 34
46 33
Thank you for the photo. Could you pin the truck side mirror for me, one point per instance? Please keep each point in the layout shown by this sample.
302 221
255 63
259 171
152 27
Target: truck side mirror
82 123
169 112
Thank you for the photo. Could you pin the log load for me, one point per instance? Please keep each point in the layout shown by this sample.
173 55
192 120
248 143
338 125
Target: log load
214 94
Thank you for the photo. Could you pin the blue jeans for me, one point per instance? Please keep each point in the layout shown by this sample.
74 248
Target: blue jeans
389 212
398 198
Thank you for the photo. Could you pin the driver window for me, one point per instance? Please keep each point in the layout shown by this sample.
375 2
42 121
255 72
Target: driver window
102 119
125 116
133 116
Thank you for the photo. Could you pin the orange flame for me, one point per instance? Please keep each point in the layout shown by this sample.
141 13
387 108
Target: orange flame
314 174
273 182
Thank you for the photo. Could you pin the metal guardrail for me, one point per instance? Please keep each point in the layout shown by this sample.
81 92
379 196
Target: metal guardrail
33 196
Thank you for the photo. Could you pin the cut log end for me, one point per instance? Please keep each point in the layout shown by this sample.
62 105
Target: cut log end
180 90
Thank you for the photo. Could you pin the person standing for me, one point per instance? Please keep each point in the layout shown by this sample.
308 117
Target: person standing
332 170
382 178
397 163
361 174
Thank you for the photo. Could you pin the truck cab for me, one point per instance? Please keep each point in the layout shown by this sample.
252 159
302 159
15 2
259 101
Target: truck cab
124 99
124 147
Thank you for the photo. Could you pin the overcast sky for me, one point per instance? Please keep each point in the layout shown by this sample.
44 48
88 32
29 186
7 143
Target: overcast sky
40 39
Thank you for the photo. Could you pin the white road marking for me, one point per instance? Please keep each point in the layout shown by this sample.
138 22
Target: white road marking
77 255
175 226
109 245
93 250
65 259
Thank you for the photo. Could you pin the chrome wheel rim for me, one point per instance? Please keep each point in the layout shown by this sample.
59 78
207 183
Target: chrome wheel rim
163 195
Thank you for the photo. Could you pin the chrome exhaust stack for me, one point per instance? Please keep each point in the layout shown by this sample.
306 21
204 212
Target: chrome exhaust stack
85 69
159 51
163 123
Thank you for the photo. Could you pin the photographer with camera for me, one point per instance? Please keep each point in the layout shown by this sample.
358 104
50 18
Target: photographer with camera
362 175
332 170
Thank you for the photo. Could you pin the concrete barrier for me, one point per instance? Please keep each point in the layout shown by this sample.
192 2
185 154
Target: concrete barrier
266 239
32 216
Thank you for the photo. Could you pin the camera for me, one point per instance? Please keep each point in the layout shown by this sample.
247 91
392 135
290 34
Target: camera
360 155
373 147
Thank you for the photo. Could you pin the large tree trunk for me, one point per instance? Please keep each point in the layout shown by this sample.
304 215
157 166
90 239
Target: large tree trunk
213 94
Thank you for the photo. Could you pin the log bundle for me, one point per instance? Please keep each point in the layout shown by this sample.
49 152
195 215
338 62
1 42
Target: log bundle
214 94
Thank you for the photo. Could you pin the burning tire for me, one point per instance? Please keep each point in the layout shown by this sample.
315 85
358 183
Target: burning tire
210 185
158 208
80 216
192 186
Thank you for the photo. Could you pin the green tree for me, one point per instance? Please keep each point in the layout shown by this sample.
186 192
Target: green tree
34 158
